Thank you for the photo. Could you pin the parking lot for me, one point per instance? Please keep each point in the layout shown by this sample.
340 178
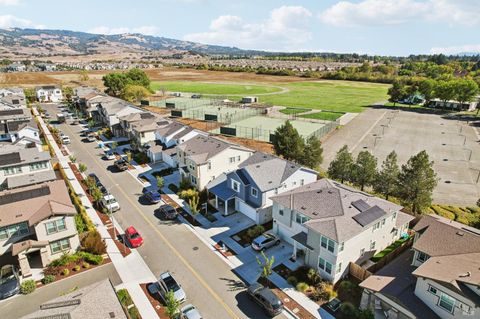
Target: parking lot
450 143
169 246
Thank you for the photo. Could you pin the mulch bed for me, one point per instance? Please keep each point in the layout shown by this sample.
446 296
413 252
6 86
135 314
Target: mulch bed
180 210
124 250
156 304
225 253
241 236
288 302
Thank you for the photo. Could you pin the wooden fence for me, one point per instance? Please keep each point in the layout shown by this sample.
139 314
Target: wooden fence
358 272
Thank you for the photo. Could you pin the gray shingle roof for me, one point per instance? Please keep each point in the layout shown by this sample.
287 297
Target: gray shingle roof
201 148
30 179
27 156
328 204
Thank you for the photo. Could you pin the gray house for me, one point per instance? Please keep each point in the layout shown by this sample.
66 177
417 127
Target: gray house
332 225
249 188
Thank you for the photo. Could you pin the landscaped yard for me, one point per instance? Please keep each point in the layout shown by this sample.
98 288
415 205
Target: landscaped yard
214 88
247 235
324 115
388 250
294 110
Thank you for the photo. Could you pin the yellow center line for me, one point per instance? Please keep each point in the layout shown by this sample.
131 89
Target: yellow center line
176 252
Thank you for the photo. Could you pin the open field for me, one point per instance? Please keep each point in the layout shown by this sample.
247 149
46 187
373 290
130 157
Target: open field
324 115
214 88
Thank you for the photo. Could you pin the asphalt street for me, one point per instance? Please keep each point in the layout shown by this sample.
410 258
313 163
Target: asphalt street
208 281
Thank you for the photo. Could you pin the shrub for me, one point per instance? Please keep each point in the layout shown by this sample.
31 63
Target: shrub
91 258
28 286
64 260
76 268
292 280
141 158
80 224
348 310
327 290
65 272
443 212
313 276
85 265
48 279
302 286
133 313
185 184
188 194
124 297
256 231
346 285
94 244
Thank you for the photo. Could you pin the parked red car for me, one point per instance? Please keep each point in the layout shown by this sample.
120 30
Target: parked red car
133 237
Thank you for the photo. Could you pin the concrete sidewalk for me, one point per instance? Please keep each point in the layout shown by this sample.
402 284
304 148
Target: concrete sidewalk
132 269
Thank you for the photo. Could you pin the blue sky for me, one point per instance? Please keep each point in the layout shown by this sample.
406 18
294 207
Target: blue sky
387 27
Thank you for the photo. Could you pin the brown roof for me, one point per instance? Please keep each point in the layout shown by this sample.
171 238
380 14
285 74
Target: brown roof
27 244
439 236
24 207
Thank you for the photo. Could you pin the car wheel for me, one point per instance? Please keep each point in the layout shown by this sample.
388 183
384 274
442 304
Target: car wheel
277 243
263 248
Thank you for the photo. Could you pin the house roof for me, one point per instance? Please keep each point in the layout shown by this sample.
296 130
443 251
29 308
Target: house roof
30 179
15 114
440 236
331 208
83 303
201 148
14 100
85 92
23 157
27 244
35 203
47 87
170 128
268 171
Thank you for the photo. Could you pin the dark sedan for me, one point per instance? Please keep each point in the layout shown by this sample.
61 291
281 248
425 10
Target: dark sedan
153 197
9 281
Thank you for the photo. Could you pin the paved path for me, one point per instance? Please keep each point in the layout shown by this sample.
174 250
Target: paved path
21 305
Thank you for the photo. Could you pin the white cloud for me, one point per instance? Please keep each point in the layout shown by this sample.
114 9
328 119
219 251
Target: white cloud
285 29
10 21
9 2
468 48
391 12
147 30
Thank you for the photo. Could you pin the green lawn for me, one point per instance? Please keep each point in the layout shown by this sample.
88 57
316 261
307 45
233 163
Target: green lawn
295 110
341 96
388 250
324 115
214 88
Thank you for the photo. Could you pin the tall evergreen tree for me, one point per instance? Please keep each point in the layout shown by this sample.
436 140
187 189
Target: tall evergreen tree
341 167
364 169
416 182
288 143
386 179
313 153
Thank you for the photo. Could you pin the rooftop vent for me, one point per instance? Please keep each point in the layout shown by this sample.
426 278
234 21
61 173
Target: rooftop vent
315 213
468 274
303 208
460 233
319 191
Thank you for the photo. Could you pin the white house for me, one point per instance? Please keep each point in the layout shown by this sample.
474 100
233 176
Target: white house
438 278
332 225
112 110
49 93
249 188
203 158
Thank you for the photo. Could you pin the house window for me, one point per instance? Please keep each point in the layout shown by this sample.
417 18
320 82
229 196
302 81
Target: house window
209 165
446 302
383 222
394 216
13 230
276 191
294 183
339 268
280 212
59 245
232 159
321 263
236 186
12 170
254 192
55 226
327 243
302 182
362 252
193 179
341 246
422 257
432 290
376 226
38 166
238 158
299 218
372 245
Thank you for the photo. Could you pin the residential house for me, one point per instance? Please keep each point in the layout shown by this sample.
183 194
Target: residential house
82 95
249 188
47 67
203 158
25 167
49 93
91 105
23 132
333 225
140 127
37 224
16 67
12 102
168 136
15 115
112 110
83 303
438 278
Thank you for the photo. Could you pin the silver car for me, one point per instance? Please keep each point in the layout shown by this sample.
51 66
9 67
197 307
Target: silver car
190 312
167 283
265 241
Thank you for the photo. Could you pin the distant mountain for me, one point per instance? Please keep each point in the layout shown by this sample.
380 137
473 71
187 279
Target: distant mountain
37 42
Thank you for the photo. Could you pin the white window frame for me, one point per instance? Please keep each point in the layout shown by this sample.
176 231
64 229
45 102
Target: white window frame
235 186
430 288
339 268
439 304
63 245
341 246
301 219
373 243
422 260
58 225
254 190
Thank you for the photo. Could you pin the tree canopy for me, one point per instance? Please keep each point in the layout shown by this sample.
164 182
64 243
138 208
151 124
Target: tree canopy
364 169
341 167
288 143
386 179
116 82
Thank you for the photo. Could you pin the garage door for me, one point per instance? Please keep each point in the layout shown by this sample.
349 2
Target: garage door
246 210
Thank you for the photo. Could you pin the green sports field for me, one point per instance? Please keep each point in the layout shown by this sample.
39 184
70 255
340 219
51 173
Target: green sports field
337 96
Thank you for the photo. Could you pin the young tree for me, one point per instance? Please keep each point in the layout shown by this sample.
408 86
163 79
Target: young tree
465 90
445 90
312 153
416 182
193 203
129 156
397 92
135 93
114 145
68 93
138 77
160 182
288 143
72 158
427 89
30 95
364 169
115 83
82 168
97 194
266 265
90 183
387 177
341 167
172 305
84 76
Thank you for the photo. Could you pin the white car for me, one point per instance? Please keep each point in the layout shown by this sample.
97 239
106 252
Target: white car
167 283
65 139
110 203
190 312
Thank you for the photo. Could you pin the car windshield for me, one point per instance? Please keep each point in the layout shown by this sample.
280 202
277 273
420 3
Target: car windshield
171 284
111 201
260 240
134 235
277 305
6 275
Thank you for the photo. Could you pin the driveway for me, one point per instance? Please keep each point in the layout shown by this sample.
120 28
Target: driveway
208 281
